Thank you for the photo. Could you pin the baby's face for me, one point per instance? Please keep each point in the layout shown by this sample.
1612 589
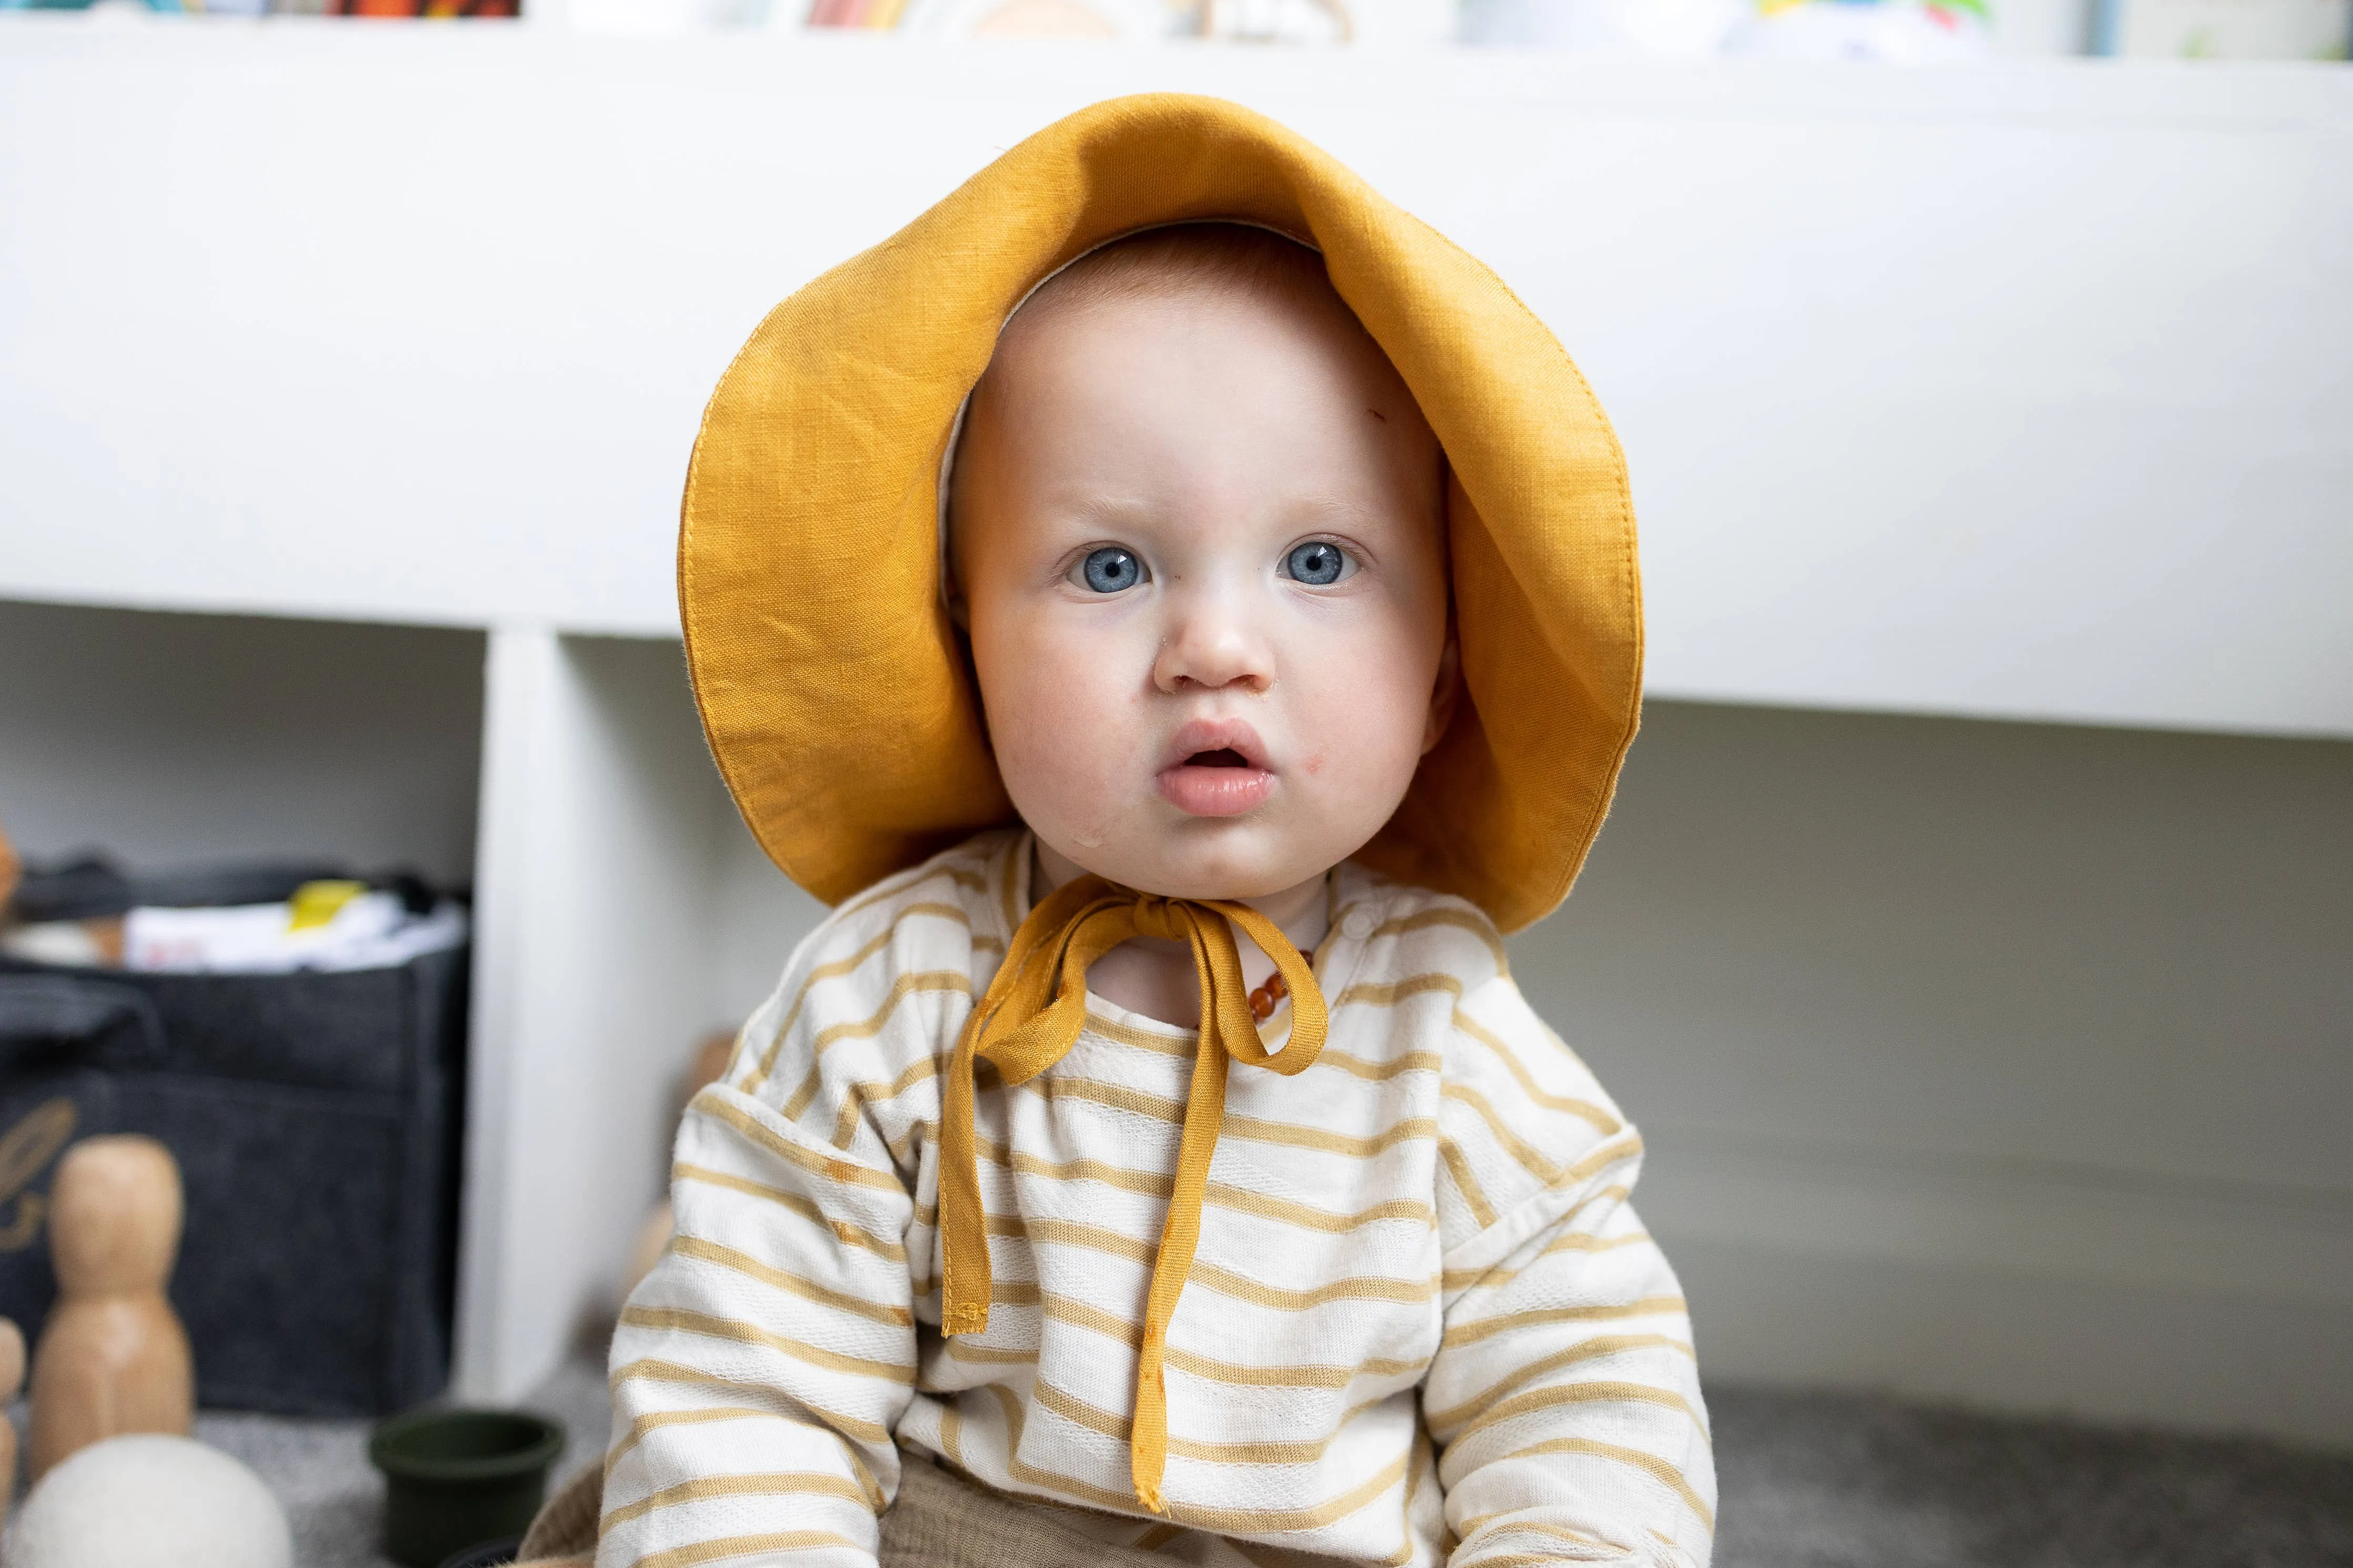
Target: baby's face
1199 544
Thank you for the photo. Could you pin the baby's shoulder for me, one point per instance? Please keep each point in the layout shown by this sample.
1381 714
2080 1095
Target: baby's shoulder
1411 941
1403 933
884 981
961 897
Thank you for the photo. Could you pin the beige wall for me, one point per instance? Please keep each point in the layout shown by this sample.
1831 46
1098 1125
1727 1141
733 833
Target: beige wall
2007 1062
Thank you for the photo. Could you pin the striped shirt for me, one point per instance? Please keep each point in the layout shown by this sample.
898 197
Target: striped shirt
1423 1324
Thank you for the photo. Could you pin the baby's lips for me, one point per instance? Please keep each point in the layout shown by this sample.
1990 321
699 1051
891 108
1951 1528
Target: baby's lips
1215 792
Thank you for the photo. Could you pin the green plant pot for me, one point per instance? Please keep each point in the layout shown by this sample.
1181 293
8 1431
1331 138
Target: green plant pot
454 1479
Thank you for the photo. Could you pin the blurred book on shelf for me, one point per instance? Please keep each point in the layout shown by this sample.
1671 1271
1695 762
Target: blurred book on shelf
431 10
398 9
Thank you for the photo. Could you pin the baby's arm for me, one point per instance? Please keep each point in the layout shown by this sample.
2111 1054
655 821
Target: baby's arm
760 1369
1564 1398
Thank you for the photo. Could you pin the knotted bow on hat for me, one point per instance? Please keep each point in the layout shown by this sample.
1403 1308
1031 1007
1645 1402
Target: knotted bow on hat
1029 1020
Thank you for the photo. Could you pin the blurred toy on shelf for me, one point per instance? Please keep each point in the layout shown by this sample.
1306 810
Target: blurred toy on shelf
1895 32
261 919
325 925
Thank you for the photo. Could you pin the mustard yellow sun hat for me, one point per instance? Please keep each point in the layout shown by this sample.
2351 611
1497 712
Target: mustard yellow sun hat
830 681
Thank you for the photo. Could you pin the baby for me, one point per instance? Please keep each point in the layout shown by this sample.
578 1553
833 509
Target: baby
1151 1175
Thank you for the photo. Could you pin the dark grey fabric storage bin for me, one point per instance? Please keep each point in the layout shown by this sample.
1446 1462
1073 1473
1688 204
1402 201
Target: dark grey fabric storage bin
317 1121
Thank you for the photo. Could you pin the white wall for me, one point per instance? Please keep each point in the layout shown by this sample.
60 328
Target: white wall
2000 1062
169 740
2015 391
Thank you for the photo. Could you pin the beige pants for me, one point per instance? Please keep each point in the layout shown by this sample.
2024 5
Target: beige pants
938 1521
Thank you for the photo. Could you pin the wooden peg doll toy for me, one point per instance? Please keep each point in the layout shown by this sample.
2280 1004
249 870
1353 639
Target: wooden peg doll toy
113 1357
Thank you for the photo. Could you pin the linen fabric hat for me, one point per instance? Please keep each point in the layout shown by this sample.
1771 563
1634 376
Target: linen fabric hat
831 682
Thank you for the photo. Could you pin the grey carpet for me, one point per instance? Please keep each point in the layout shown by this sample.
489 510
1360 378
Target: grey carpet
333 1499
1810 1480
1824 1480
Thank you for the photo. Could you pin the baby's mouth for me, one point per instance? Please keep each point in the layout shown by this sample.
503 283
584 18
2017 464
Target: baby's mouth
1214 774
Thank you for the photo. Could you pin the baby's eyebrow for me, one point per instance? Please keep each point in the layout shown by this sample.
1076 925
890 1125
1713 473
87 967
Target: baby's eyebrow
1311 512
1085 514
1096 503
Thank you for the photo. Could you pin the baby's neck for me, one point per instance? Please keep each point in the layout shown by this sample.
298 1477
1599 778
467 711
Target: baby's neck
1156 978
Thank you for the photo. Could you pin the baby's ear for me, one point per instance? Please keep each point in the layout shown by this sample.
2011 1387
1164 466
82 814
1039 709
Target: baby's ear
1443 691
951 593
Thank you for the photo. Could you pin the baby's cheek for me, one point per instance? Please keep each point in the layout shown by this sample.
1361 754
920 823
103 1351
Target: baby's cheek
1361 717
1069 740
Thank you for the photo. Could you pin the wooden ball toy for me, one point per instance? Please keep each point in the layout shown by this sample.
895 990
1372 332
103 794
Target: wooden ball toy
148 1501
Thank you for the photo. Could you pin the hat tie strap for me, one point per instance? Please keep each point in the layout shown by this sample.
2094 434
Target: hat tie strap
1029 1019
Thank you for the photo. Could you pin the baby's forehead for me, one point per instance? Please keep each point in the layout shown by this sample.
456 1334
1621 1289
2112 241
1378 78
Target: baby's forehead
1186 268
1198 261
1197 345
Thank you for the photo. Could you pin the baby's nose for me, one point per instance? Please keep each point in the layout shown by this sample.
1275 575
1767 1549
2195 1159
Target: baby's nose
1213 648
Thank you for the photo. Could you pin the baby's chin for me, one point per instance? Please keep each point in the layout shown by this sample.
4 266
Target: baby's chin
1230 859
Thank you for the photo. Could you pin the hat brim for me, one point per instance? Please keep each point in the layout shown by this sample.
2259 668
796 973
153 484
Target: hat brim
830 681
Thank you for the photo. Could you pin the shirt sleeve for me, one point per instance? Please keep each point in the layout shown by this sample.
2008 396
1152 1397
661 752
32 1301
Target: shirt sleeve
759 1371
1564 1399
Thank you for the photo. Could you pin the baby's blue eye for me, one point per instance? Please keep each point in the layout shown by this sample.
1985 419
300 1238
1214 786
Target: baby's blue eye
1111 570
1319 563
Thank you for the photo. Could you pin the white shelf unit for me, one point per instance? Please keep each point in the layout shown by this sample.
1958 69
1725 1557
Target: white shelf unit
625 912
2015 393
